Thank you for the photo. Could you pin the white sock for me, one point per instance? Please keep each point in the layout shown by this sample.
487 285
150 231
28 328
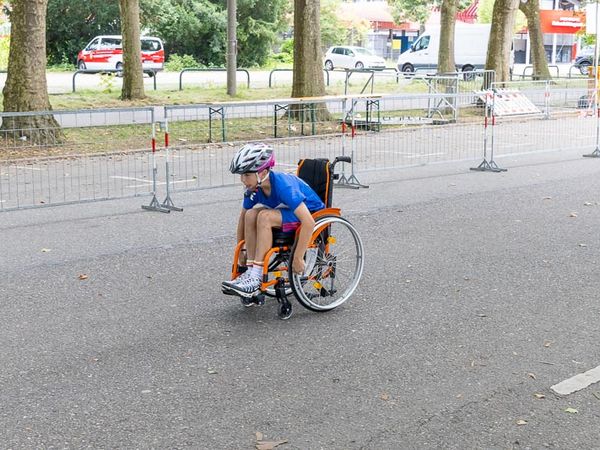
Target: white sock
257 270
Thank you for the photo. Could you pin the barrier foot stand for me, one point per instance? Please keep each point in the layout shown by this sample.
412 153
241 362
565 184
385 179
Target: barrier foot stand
168 203
343 182
594 154
155 206
490 166
354 182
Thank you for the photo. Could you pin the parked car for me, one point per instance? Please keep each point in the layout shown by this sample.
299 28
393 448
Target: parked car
583 63
106 52
352 58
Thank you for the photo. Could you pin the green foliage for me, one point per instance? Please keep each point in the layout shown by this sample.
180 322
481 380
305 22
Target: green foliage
188 27
259 21
107 81
414 10
284 58
484 11
177 63
588 40
4 47
287 46
199 28
71 24
486 8
333 32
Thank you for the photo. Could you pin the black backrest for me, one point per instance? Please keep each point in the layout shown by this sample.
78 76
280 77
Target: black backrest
317 174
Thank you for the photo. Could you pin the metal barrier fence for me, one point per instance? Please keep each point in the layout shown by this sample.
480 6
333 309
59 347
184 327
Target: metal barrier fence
62 157
85 155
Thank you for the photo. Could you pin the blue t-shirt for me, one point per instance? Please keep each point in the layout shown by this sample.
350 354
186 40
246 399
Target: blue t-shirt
286 190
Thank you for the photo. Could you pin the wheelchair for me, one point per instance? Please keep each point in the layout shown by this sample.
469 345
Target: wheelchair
334 258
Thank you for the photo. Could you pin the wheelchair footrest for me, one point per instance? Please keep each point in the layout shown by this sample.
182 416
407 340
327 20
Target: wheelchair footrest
257 300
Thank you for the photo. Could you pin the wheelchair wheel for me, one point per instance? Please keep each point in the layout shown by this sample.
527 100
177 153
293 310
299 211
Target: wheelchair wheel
334 263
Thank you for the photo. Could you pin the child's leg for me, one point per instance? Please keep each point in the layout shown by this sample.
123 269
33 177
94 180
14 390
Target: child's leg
266 221
250 233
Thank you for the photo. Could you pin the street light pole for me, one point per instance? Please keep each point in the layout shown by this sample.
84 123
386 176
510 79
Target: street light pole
231 47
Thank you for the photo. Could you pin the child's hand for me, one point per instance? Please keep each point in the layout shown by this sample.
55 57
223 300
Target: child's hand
298 265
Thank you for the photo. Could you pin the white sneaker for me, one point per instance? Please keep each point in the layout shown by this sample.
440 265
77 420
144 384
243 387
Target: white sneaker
237 279
246 287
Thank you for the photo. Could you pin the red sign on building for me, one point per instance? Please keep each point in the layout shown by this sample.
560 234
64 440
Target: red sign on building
559 21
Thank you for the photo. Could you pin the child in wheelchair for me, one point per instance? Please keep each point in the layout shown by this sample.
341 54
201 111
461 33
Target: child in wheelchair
271 200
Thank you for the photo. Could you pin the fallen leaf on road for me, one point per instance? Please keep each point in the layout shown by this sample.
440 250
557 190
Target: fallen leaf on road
532 375
212 371
536 395
269 445
384 397
573 214
547 344
571 411
521 422
46 250
83 276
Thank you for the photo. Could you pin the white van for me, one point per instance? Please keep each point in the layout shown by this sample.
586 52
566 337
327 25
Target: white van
470 49
106 52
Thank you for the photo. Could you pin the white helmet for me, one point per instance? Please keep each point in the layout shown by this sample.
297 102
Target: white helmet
252 158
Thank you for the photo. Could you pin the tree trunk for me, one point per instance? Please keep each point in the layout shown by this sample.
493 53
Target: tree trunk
26 88
133 77
308 68
501 36
447 24
531 9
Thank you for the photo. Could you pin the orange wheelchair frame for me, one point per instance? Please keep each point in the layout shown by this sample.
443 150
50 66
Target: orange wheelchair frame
328 281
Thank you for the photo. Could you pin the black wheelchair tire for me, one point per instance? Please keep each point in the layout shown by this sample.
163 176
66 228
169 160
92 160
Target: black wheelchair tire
296 280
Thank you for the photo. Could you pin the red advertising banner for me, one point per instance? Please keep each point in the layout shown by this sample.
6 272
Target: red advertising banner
559 21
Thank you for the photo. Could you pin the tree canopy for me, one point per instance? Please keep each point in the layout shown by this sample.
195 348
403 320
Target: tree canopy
192 27
71 24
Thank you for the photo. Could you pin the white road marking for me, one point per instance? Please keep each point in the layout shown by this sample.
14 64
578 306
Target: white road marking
131 178
161 183
28 168
510 144
578 382
411 154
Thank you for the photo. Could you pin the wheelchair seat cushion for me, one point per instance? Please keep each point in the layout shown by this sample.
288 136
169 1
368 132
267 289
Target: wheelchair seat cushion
316 173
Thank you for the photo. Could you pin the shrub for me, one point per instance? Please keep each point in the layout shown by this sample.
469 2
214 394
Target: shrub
177 63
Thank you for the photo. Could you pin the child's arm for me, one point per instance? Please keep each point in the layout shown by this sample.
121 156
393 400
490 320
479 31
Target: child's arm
307 225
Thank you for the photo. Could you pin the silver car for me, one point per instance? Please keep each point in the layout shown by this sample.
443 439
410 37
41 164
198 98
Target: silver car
352 58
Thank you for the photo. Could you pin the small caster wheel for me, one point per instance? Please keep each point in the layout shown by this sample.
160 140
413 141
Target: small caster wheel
284 311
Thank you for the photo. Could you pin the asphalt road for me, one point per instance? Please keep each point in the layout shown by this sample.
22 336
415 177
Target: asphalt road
480 290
